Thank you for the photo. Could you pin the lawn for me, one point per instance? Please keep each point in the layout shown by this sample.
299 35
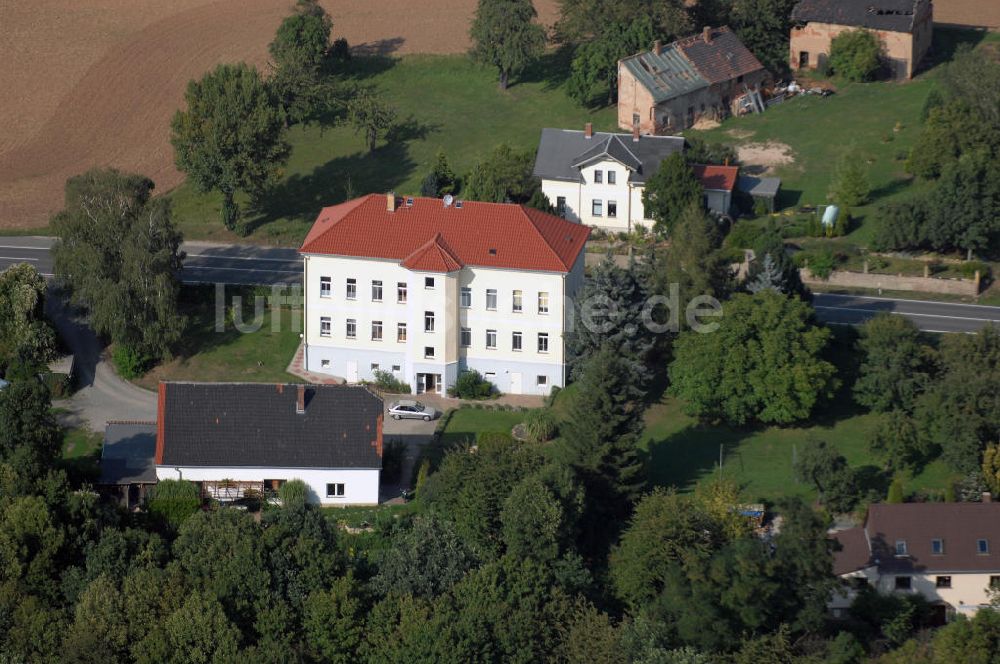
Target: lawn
205 354
463 426
81 452
443 102
880 121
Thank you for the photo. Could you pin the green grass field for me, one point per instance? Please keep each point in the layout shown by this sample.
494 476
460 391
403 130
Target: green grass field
443 102
206 355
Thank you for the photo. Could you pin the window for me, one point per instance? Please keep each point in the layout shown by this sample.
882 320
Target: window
543 303
325 285
491 299
803 58
902 583
465 297
401 292
597 207
324 326
937 547
515 341
324 363
376 291
943 582
352 328
541 380
352 289
598 177
561 206
517 306
739 79
491 338
429 282
466 337
428 321
374 366
401 332
543 342
395 368
900 547
376 330
334 490
995 582
612 209
982 547
612 177
428 352
635 119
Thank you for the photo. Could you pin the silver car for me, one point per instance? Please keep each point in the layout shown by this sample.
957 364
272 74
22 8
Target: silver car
407 409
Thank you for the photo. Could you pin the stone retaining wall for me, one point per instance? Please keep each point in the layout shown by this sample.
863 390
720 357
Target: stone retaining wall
894 282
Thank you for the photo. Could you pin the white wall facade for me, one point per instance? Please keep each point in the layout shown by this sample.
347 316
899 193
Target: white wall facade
968 592
360 484
580 197
528 370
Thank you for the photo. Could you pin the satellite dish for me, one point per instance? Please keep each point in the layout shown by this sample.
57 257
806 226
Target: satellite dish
448 199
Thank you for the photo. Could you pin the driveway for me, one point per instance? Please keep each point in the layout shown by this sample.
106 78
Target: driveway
101 395
415 434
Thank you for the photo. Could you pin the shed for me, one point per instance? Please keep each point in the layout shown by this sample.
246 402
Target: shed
127 460
762 188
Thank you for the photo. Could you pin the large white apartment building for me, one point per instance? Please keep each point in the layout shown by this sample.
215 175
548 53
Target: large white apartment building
597 178
425 289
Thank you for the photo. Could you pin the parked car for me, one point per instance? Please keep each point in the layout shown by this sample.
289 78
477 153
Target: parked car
411 410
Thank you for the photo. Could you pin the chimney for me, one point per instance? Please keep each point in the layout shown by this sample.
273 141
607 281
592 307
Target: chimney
657 47
635 133
987 497
588 130
390 201
300 400
706 34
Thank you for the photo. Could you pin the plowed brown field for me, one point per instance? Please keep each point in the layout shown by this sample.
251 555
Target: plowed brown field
95 83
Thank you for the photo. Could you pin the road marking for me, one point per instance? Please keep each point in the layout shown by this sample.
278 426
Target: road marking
246 258
18 258
904 313
901 299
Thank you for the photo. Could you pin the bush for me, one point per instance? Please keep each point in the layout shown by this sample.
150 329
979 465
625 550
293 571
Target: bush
174 501
760 207
386 382
129 362
856 55
822 263
393 456
471 385
895 491
540 425
743 235
969 269
293 493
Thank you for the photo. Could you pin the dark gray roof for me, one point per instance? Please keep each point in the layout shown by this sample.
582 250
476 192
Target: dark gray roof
755 186
667 74
561 151
256 425
127 455
892 15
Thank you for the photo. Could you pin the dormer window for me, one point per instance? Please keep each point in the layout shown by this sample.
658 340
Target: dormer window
598 177
982 547
900 547
937 547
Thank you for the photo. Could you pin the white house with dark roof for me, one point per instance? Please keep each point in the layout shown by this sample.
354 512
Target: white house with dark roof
597 178
425 289
231 438
947 552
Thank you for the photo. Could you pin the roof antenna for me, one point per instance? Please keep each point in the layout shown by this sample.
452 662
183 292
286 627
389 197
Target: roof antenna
448 200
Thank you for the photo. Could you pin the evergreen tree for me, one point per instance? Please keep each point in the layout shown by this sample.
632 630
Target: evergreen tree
770 243
768 278
505 36
503 177
669 192
850 186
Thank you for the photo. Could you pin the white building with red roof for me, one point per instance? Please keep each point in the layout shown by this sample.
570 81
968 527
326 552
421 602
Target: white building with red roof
425 289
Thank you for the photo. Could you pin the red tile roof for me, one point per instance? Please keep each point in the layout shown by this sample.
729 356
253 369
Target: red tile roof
716 177
722 58
428 236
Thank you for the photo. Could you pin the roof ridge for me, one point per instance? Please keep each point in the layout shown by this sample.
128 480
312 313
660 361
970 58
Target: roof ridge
618 137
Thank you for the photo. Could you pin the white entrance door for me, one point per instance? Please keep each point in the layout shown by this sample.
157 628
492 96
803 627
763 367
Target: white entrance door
515 383
352 371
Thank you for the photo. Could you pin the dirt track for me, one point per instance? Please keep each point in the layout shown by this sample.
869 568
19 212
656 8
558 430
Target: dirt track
95 83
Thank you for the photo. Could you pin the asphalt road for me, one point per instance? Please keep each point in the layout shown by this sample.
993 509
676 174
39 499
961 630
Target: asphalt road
930 316
205 262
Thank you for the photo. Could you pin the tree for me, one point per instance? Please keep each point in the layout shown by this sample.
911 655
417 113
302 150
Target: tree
99 632
174 501
119 252
965 205
333 622
581 21
197 633
30 439
425 560
700 151
299 53
532 522
505 36
503 177
694 261
895 365
24 333
769 278
770 243
764 363
763 26
231 138
670 191
441 181
903 224
823 466
896 438
895 495
594 71
991 467
850 185
30 543
371 116
856 55
301 552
